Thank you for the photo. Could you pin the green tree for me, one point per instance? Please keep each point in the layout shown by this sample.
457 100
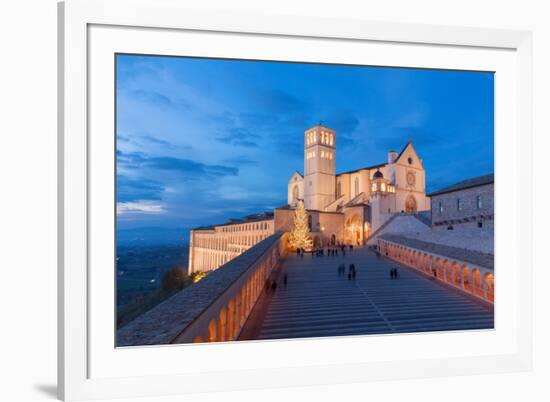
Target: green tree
174 279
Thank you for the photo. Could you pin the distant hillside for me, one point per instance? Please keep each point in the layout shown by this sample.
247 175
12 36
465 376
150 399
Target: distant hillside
152 236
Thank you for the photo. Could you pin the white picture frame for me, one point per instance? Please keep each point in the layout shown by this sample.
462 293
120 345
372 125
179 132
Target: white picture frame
80 377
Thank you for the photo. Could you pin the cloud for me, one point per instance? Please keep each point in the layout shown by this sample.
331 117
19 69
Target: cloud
239 136
241 161
153 97
185 167
129 190
139 207
157 141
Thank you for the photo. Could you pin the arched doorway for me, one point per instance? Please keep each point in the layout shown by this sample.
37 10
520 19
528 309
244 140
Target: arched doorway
353 230
410 204
333 240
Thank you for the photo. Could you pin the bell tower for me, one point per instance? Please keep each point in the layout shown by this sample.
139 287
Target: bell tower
319 167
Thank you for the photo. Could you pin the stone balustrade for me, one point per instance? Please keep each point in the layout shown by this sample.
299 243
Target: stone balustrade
467 270
214 309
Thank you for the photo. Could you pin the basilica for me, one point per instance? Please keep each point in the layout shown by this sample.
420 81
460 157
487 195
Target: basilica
347 207
343 208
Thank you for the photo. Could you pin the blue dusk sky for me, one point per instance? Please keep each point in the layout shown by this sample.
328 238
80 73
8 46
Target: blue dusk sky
203 140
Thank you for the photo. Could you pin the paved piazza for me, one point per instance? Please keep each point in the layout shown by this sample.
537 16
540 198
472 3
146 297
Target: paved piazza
318 302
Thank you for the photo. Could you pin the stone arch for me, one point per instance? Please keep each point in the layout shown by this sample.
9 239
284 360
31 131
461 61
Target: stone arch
457 277
222 324
438 268
212 331
477 283
448 272
466 278
430 264
425 263
489 281
237 320
353 226
411 204
230 320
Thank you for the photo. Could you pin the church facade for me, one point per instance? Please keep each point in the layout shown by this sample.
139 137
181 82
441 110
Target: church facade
343 208
348 207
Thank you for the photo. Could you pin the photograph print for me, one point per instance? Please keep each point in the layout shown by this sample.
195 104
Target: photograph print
265 200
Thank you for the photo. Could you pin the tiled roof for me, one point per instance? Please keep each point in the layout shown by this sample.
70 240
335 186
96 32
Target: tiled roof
465 184
465 255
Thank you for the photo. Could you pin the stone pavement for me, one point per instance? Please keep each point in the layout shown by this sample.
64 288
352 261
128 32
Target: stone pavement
318 302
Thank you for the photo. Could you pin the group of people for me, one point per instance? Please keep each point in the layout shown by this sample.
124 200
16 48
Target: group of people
300 252
331 251
352 272
394 274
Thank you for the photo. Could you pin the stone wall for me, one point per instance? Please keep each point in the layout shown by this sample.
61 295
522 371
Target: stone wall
469 215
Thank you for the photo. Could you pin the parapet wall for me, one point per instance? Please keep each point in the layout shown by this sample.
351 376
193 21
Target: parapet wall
215 308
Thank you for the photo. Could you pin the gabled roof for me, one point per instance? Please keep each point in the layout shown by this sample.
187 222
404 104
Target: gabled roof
465 184
294 174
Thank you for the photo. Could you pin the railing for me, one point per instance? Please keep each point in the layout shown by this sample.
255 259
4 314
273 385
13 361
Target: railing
216 308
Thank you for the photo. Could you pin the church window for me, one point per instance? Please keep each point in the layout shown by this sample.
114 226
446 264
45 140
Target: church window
440 207
356 185
331 140
410 160
459 204
309 221
478 202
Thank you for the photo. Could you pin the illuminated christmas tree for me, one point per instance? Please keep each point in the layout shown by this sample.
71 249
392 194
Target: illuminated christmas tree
299 235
